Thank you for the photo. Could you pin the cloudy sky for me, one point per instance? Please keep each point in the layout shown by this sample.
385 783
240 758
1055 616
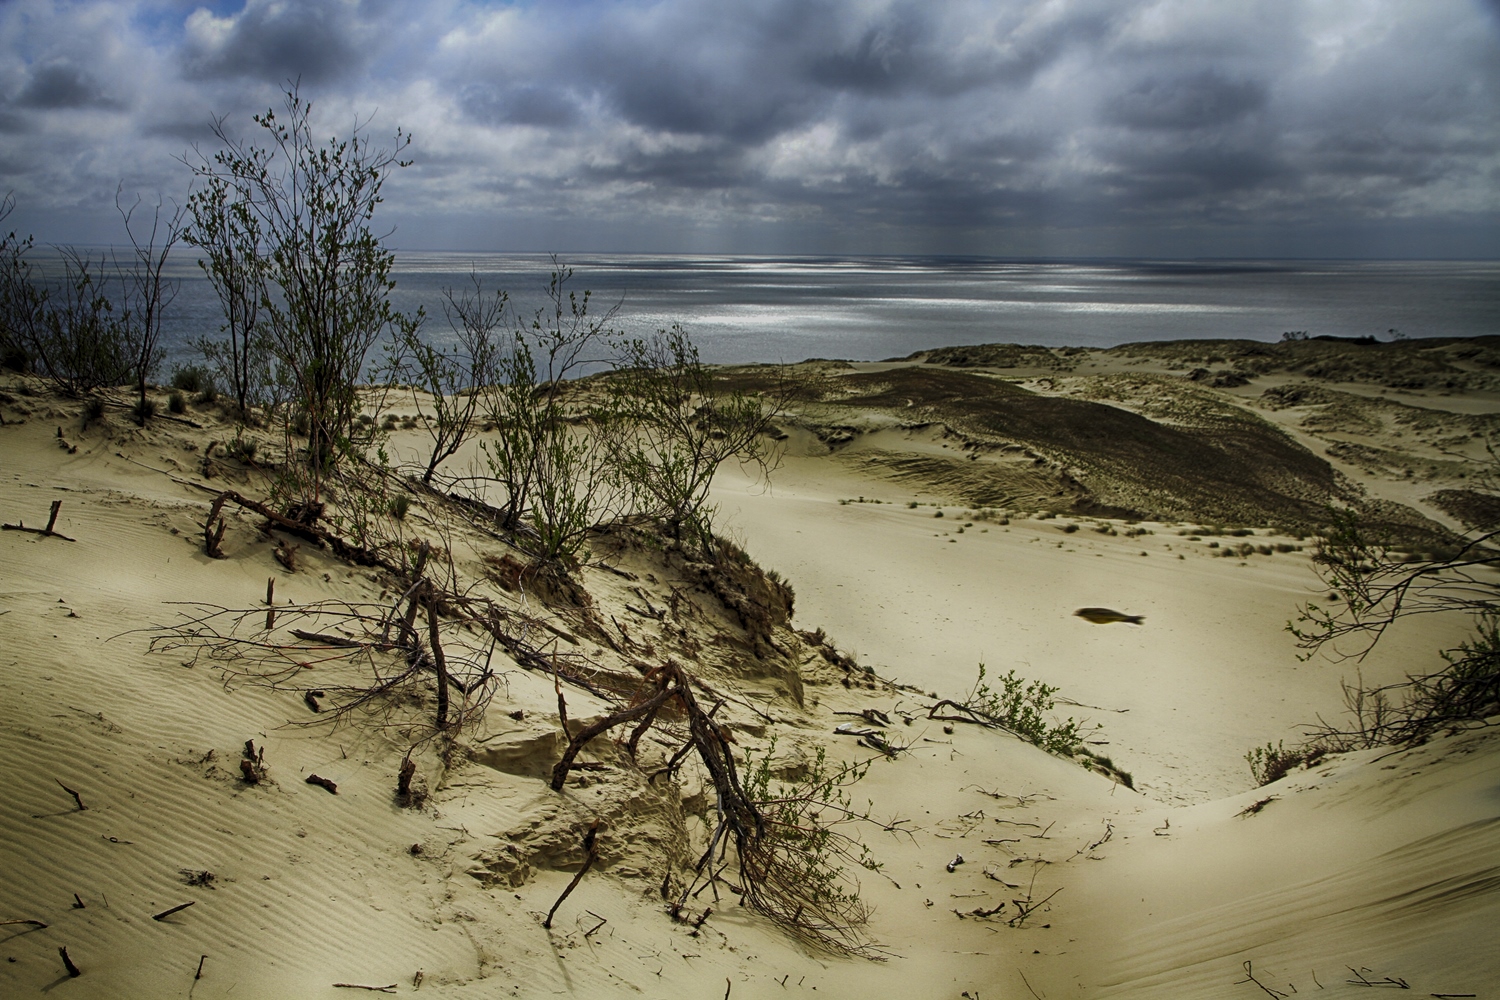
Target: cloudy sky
1013 127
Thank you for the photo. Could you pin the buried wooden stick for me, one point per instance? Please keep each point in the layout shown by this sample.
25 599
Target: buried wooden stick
73 970
591 849
76 797
164 914
199 974
35 923
46 532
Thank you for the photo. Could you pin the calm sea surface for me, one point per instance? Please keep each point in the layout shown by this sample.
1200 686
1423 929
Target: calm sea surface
746 309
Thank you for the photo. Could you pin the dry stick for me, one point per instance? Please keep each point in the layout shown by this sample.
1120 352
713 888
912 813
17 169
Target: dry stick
373 989
313 779
78 903
76 797
591 849
403 780
46 532
199 974
73 970
1250 978
34 923
270 603
167 913
437 658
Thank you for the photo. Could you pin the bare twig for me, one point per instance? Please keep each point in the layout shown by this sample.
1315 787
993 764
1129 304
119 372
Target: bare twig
591 853
1250 978
35 923
73 970
373 989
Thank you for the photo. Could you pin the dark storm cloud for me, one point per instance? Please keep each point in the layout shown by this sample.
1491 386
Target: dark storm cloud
277 40
62 85
520 105
974 118
1203 99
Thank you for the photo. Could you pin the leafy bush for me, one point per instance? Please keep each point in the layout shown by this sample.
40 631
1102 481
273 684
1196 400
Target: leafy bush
192 379
1019 707
1272 763
177 403
800 869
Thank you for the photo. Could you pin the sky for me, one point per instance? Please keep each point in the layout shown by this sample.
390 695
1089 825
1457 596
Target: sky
1025 128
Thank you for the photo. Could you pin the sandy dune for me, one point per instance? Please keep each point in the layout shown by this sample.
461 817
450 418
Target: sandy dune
1382 861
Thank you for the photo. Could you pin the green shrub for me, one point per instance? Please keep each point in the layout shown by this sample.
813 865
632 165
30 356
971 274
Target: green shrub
177 403
192 379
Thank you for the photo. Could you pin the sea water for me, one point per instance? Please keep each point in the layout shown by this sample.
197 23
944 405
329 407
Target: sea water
782 309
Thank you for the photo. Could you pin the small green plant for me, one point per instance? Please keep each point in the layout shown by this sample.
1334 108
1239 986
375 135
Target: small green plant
143 410
801 867
191 378
399 506
243 449
177 403
93 409
1020 707
1272 763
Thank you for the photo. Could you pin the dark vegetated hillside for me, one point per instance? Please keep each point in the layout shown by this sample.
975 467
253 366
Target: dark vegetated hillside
1202 462
1230 471
1427 363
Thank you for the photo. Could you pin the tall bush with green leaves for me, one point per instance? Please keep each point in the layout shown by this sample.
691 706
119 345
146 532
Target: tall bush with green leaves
681 425
321 271
552 454
454 379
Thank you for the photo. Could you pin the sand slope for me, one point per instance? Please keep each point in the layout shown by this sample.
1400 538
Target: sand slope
1385 862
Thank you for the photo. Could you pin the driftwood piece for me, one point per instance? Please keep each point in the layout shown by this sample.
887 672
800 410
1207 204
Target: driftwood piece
34 923
270 603
46 532
164 914
311 698
591 854
403 780
313 779
199 974
73 970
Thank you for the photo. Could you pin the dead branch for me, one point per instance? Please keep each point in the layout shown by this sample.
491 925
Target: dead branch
313 779
311 532
73 970
46 532
34 923
591 854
